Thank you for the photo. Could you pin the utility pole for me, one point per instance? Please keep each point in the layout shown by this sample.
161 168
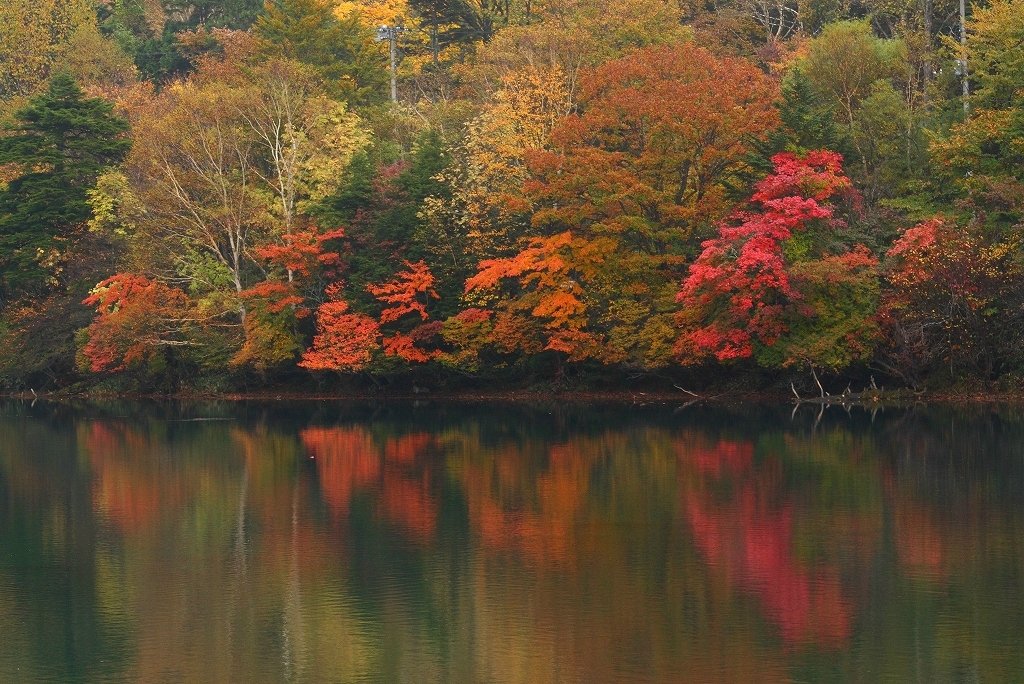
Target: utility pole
390 34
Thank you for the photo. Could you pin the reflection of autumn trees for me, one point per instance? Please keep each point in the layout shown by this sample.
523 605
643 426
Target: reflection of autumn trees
348 459
129 485
515 508
458 550
749 534
231 501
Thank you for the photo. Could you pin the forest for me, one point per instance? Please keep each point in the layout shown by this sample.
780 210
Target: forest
220 196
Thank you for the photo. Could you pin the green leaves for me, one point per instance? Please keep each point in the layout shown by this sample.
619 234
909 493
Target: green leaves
340 52
60 144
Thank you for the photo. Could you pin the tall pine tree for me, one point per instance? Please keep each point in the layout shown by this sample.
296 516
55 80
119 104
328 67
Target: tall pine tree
61 142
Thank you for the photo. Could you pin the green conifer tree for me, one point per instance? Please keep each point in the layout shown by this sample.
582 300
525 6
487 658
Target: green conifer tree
341 52
61 142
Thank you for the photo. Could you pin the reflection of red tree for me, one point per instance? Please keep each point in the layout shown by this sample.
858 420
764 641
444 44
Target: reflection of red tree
919 544
129 493
409 504
724 457
407 500
515 509
346 460
408 448
751 542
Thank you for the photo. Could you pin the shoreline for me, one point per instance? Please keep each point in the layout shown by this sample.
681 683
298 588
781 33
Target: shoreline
888 397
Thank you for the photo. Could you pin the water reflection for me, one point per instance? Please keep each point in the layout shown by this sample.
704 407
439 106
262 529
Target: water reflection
328 542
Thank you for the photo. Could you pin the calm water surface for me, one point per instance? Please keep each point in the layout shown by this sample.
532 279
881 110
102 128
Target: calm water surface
339 542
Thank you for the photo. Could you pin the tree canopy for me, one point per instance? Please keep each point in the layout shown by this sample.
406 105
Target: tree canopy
604 194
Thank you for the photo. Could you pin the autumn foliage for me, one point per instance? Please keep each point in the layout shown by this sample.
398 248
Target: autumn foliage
616 190
344 340
660 133
648 188
758 288
750 539
135 318
348 341
551 304
953 302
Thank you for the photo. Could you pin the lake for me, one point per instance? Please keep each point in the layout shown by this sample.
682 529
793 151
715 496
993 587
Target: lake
489 542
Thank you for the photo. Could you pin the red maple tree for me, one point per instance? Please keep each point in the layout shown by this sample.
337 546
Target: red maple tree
743 291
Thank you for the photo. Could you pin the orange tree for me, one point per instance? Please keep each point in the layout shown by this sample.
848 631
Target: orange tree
350 341
618 196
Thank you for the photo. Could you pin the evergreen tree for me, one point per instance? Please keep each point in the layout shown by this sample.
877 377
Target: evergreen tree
808 124
341 52
379 208
61 143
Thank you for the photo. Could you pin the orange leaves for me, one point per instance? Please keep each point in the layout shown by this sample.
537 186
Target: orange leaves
347 341
541 257
344 341
404 346
549 273
408 293
560 306
659 132
404 292
135 317
276 296
616 191
274 308
303 251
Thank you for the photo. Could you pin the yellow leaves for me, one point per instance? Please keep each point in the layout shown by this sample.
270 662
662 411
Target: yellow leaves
232 158
333 136
115 209
961 151
487 200
575 34
377 13
35 35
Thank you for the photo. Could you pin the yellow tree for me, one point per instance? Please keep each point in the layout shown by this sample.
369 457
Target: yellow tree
35 36
485 211
228 158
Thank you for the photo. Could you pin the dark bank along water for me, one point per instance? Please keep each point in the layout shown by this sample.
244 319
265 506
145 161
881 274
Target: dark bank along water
335 542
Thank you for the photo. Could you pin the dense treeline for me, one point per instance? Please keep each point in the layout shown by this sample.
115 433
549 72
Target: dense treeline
218 194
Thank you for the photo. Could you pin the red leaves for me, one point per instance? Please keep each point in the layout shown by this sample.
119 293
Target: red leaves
347 341
303 251
135 316
742 291
818 175
408 293
344 341
953 301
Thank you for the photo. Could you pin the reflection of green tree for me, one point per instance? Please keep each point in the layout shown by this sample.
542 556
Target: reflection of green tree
54 622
